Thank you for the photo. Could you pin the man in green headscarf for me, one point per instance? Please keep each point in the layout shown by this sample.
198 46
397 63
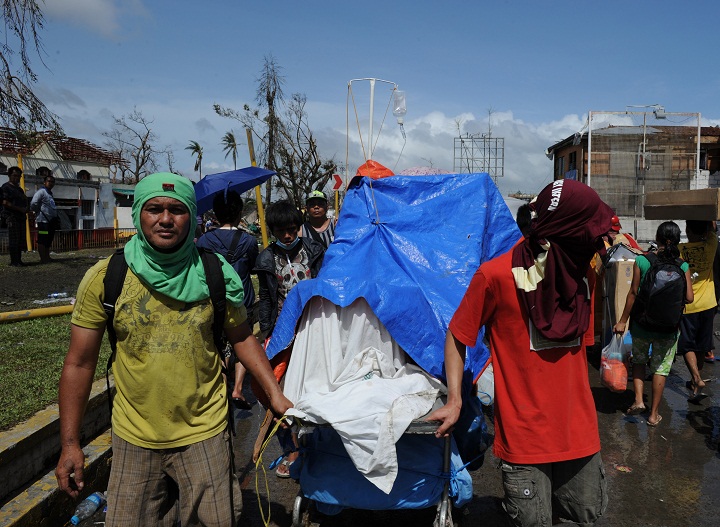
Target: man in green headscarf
170 434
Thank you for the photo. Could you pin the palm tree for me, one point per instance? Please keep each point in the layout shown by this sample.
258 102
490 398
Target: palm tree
230 146
196 150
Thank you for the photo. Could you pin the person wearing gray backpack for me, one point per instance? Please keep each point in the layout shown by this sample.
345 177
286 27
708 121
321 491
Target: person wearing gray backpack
660 288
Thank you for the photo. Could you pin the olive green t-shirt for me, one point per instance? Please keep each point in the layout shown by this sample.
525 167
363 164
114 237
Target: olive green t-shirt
169 388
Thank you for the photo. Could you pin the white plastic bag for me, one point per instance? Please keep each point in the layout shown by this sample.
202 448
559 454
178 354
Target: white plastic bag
613 372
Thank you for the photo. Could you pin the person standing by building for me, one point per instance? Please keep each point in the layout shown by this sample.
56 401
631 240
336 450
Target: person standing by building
535 305
15 208
318 226
46 215
171 443
696 326
240 249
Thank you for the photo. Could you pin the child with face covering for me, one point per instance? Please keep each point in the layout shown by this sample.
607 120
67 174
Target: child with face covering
280 266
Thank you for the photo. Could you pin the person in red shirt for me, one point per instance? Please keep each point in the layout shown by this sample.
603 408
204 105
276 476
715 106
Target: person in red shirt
534 302
617 237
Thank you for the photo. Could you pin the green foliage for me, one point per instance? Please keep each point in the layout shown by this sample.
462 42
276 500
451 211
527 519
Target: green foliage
230 146
196 150
32 353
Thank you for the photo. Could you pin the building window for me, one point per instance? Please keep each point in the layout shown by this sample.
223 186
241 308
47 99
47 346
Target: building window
87 207
572 161
88 225
560 168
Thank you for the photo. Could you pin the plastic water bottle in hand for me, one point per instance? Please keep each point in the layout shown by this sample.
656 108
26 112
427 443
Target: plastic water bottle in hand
87 507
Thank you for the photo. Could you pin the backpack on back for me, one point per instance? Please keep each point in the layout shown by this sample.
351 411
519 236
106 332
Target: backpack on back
660 300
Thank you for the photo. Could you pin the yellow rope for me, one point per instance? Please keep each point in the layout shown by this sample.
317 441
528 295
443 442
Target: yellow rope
259 464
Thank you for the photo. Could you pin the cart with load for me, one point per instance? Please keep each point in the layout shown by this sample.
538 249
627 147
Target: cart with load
365 344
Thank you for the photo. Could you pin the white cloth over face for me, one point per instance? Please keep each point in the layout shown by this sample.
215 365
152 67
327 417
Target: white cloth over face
346 370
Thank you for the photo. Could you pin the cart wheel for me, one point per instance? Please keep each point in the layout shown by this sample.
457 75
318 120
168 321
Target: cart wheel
300 511
443 518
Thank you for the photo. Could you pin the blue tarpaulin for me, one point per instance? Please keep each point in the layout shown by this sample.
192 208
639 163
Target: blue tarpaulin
409 245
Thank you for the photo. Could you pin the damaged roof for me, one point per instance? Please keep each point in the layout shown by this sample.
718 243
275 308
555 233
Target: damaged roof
68 148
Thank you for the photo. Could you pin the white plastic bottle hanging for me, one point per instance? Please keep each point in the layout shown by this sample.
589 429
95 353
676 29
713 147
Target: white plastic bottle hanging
399 109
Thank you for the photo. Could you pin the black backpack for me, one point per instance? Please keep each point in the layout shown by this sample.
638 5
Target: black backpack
660 300
113 284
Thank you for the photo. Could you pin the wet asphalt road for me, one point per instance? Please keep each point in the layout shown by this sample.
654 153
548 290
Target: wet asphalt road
668 476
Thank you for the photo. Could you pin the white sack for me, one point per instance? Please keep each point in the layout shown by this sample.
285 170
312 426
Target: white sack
346 371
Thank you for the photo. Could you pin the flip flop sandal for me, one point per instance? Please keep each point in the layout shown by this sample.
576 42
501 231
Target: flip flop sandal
636 410
656 422
241 404
284 463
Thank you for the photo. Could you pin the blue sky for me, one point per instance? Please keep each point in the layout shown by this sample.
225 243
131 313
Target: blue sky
539 66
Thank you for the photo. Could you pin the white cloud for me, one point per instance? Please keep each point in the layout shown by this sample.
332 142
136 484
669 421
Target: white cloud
430 142
430 137
61 97
100 16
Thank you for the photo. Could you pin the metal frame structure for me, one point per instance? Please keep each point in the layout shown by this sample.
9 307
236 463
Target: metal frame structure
633 152
480 153
659 113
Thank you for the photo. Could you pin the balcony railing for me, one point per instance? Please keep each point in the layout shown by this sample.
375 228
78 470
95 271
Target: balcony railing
74 240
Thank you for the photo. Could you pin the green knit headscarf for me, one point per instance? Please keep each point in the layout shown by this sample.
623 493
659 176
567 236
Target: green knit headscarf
179 274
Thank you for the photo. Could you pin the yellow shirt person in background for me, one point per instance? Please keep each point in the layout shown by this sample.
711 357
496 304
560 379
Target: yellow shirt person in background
696 326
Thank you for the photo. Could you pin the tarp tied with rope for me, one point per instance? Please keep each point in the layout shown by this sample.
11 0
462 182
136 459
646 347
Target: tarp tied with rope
409 245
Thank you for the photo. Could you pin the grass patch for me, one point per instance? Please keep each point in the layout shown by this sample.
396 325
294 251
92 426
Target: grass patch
32 353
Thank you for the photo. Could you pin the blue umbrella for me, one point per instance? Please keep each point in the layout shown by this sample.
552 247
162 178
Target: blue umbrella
238 180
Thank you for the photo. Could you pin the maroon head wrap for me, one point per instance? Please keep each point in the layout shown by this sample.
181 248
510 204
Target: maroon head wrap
551 264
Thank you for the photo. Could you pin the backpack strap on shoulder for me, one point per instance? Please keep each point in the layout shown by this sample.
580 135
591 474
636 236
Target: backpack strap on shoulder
315 235
216 285
113 284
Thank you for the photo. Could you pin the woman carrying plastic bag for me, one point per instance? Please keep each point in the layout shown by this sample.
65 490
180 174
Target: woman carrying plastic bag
651 295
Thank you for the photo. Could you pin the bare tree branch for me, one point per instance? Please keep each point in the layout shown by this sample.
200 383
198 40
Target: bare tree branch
285 140
20 108
132 138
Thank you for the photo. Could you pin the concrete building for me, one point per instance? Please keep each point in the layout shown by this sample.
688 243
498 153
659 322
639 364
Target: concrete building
85 191
623 163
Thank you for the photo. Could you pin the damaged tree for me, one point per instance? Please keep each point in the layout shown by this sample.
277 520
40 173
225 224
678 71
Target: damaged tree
286 143
132 138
